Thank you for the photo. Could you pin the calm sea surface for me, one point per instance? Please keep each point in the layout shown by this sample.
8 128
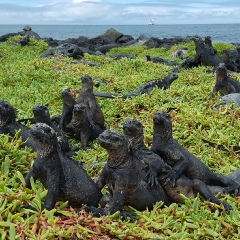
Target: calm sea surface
219 32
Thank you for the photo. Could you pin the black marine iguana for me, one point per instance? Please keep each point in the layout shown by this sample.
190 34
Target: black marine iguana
133 130
229 63
42 115
125 177
87 98
235 176
181 160
205 55
205 52
145 88
68 105
161 60
61 175
80 126
224 84
9 124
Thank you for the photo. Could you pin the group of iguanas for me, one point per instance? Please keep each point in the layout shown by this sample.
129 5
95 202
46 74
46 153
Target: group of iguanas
139 177
134 174
54 166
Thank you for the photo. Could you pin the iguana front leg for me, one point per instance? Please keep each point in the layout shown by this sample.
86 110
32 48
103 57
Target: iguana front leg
28 177
178 162
53 182
117 200
101 178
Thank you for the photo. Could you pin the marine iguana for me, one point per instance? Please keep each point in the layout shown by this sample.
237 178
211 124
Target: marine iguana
187 63
145 88
68 105
181 160
120 56
61 175
235 176
161 60
80 126
205 55
42 115
133 130
224 84
9 124
229 63
208 43
87 98
125 177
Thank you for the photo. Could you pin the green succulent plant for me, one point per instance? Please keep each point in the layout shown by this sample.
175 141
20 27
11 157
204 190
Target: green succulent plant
27 79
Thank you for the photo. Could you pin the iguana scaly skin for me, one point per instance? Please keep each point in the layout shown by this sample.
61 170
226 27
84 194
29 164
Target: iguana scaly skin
42 115
86 98
68 105
224 84
145 88
125 177
180 159
62 176
9 124
133 130
80 127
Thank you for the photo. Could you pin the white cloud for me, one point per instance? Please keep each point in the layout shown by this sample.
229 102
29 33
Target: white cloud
124 12
148 10
90 1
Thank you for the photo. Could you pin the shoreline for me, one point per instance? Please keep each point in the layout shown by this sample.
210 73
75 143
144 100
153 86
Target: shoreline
219 32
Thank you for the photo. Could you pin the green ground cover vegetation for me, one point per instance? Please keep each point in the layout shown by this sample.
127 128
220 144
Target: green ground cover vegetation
27 79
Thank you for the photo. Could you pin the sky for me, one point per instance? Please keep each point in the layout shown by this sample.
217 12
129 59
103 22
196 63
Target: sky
118 12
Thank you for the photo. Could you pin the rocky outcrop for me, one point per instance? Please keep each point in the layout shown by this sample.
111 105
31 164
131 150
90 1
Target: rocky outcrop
27 33
5 37
108 40
69 50
153 42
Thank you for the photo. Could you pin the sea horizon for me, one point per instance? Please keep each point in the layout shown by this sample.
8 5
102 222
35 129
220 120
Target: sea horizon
119 24
225 32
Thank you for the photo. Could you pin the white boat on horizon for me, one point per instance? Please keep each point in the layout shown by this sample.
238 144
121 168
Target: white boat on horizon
151 22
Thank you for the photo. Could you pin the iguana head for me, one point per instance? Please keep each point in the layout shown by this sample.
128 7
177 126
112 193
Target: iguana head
117 147
67 97
111 139
87 83
133 130
148 57
45 138
198 41
79 114
132 127
7 113
221 72
41 114
208 40
162 124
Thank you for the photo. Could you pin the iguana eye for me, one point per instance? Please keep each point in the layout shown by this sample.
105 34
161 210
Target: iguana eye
47 130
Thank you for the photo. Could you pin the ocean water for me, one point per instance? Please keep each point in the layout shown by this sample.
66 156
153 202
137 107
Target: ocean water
218 32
